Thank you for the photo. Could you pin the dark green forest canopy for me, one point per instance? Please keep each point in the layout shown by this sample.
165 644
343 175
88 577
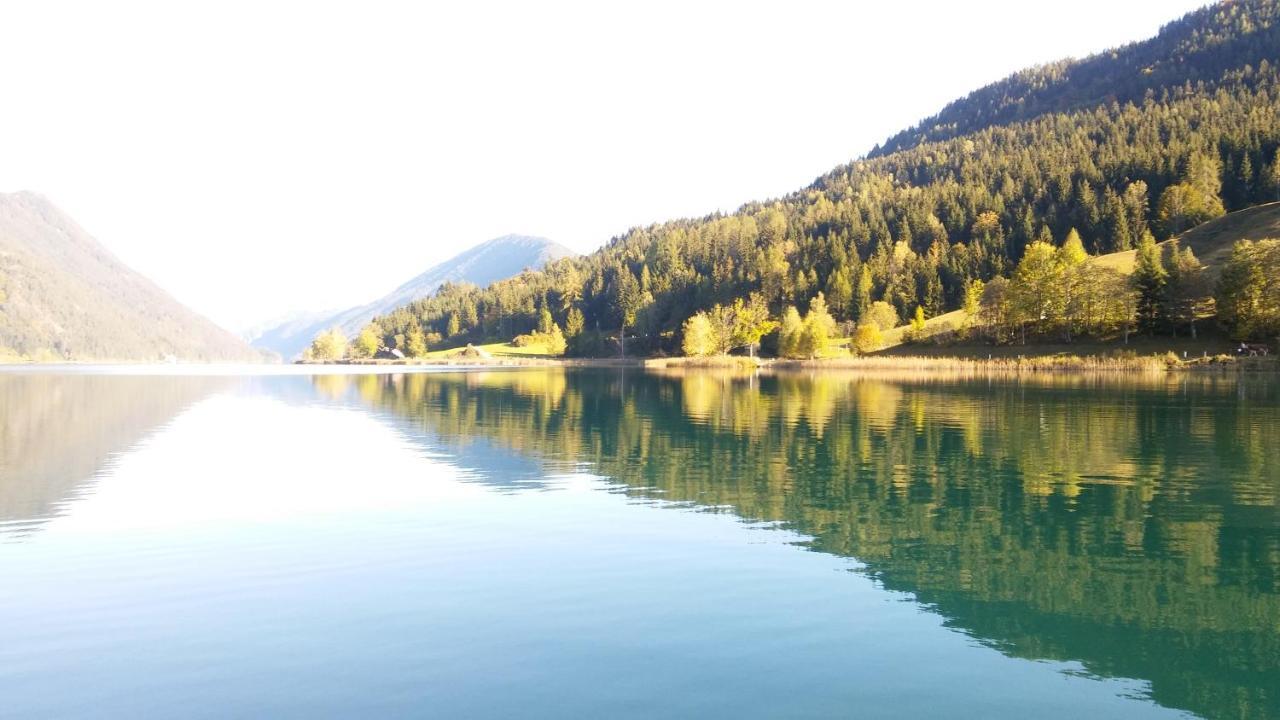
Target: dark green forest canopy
1189 129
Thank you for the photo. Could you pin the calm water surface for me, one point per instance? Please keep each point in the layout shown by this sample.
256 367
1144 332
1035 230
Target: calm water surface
617 544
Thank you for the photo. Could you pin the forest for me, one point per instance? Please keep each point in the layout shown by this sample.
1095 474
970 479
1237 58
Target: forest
983 206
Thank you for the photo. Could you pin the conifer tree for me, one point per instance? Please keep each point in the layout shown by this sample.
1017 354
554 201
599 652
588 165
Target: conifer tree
1149 279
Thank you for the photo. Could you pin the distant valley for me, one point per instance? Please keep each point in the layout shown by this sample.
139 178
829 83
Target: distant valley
496 259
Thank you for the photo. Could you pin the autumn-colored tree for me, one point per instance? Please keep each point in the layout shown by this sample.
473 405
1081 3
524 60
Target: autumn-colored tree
328 345
882 315
1248 292
867 338
818 327
415 343
789 333
367 343
699 339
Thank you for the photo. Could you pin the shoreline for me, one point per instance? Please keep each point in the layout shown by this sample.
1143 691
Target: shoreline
1055 363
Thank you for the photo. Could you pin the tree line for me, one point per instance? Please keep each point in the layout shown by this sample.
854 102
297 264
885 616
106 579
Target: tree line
915 228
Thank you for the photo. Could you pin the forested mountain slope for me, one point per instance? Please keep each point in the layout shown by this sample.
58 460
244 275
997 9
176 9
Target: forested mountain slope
916 226
65 297
1199 48
489 261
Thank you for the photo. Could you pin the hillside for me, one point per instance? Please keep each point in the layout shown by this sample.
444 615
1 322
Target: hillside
1197 49
1212 241
483 264
1151 139
65 297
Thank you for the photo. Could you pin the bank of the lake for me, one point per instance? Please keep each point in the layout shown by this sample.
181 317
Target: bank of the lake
1028 362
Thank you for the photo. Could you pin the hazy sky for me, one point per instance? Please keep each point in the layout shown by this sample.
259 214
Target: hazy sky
261 158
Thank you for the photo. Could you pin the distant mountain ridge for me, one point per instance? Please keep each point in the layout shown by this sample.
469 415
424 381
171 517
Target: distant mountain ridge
63 296
492 260
1197 50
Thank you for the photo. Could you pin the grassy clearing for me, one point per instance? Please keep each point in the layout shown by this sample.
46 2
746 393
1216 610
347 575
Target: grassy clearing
497 350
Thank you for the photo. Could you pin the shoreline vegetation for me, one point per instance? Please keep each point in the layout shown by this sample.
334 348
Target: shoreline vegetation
1028 362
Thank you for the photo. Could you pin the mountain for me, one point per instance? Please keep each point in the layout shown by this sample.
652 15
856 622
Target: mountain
493 260
1198 49
1154 138
63 296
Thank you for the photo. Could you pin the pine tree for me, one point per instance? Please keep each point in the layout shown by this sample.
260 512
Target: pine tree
840 291
545 323
1186 287
1116 225
1135 206
1271 180
933 295
864 292
1149 279
574 323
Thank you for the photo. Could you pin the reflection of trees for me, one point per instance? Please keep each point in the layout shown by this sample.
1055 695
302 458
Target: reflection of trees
1131 526
59 430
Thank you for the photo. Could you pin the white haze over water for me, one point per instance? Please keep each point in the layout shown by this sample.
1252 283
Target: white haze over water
261 158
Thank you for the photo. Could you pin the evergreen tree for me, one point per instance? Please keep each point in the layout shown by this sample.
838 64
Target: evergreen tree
1135 206
1116 228
574 323
1149 279
864 292
1271 179
1186 289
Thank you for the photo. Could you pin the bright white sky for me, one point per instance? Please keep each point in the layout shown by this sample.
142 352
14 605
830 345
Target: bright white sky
261 158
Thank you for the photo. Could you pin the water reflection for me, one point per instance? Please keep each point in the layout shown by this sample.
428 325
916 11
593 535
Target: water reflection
1128 524
58 430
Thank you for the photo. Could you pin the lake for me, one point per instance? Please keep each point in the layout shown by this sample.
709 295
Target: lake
551 543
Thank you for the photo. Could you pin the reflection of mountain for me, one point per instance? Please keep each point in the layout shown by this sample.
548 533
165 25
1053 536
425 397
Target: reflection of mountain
1134 529
485 460
60 429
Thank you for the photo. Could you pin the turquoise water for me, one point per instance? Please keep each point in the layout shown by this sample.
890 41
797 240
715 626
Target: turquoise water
546 543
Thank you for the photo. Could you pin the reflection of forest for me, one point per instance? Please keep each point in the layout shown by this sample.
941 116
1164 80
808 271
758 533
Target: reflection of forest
59 429
1128 524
